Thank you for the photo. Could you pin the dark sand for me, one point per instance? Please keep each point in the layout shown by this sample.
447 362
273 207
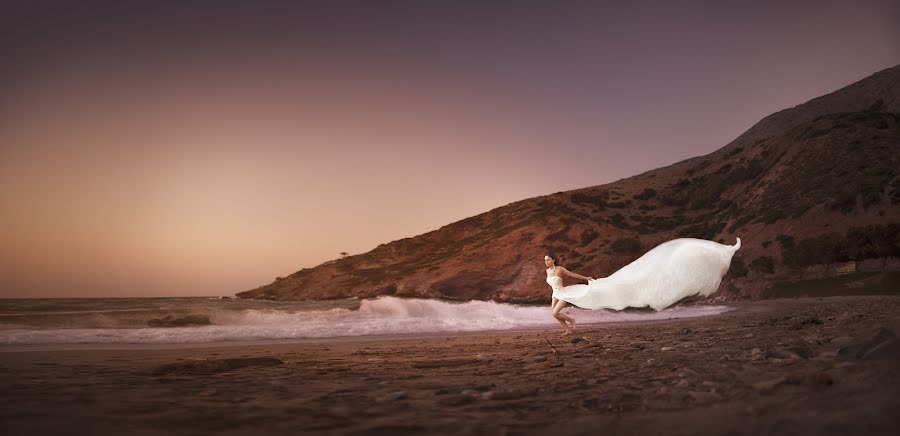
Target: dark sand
792 366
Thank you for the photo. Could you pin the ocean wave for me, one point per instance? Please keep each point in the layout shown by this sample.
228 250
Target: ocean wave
380 316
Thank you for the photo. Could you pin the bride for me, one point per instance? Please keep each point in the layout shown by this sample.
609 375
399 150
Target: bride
668 273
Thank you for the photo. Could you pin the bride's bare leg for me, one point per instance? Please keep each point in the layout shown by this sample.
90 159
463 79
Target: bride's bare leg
562 318
561 321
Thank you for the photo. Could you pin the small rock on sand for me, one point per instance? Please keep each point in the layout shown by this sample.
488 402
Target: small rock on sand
756 354
842 341
884 345
780 354
767 386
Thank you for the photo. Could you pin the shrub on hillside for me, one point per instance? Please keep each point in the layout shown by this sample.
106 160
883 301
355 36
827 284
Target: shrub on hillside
626 246
588 236
646 194
737 268
763 264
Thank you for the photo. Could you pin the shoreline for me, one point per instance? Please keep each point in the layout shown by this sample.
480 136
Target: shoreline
733 309
11 348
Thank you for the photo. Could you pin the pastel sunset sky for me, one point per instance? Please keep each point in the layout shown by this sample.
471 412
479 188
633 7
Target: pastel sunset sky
165 148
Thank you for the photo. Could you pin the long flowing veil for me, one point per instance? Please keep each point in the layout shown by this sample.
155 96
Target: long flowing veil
664 275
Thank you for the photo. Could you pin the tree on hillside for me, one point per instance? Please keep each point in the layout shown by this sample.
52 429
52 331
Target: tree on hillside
857 243
887 241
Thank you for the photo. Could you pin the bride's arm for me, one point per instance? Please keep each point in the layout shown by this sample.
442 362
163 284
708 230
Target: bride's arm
577 276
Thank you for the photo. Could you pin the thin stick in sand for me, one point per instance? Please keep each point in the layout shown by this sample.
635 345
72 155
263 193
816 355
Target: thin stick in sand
555 351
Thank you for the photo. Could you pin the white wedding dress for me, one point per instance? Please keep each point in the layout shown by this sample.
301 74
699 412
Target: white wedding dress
664 275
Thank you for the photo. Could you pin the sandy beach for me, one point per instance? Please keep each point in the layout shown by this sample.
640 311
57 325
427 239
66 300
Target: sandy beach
788 366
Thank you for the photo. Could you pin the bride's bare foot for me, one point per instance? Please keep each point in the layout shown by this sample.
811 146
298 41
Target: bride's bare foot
573 325
567 333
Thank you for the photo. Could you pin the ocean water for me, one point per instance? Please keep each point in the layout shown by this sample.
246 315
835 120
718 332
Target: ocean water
199 320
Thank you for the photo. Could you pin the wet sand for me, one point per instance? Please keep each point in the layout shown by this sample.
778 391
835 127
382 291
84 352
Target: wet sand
791 366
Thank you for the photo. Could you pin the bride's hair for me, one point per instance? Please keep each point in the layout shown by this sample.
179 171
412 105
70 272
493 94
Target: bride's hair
555 259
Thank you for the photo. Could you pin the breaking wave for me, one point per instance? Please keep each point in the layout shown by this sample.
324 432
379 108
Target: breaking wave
241 320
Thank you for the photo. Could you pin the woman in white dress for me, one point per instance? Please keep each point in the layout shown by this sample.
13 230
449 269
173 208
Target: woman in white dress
554 278
668 273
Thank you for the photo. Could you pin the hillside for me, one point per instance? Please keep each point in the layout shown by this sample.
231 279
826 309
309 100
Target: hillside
804 187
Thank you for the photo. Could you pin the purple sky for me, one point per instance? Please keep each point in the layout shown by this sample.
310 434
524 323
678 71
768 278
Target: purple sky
203 148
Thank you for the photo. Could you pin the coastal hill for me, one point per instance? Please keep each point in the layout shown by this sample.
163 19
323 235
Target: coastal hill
807 189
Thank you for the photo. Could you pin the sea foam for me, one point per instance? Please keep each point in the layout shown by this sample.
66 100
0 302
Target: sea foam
380 316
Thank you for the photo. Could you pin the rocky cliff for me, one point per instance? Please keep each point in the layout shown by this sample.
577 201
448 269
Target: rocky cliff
811 185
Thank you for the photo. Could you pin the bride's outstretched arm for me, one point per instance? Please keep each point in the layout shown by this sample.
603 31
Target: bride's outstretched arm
577 276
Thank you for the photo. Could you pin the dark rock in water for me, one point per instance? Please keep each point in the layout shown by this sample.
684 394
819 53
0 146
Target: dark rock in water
212 366
172 321
884 345
687 331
